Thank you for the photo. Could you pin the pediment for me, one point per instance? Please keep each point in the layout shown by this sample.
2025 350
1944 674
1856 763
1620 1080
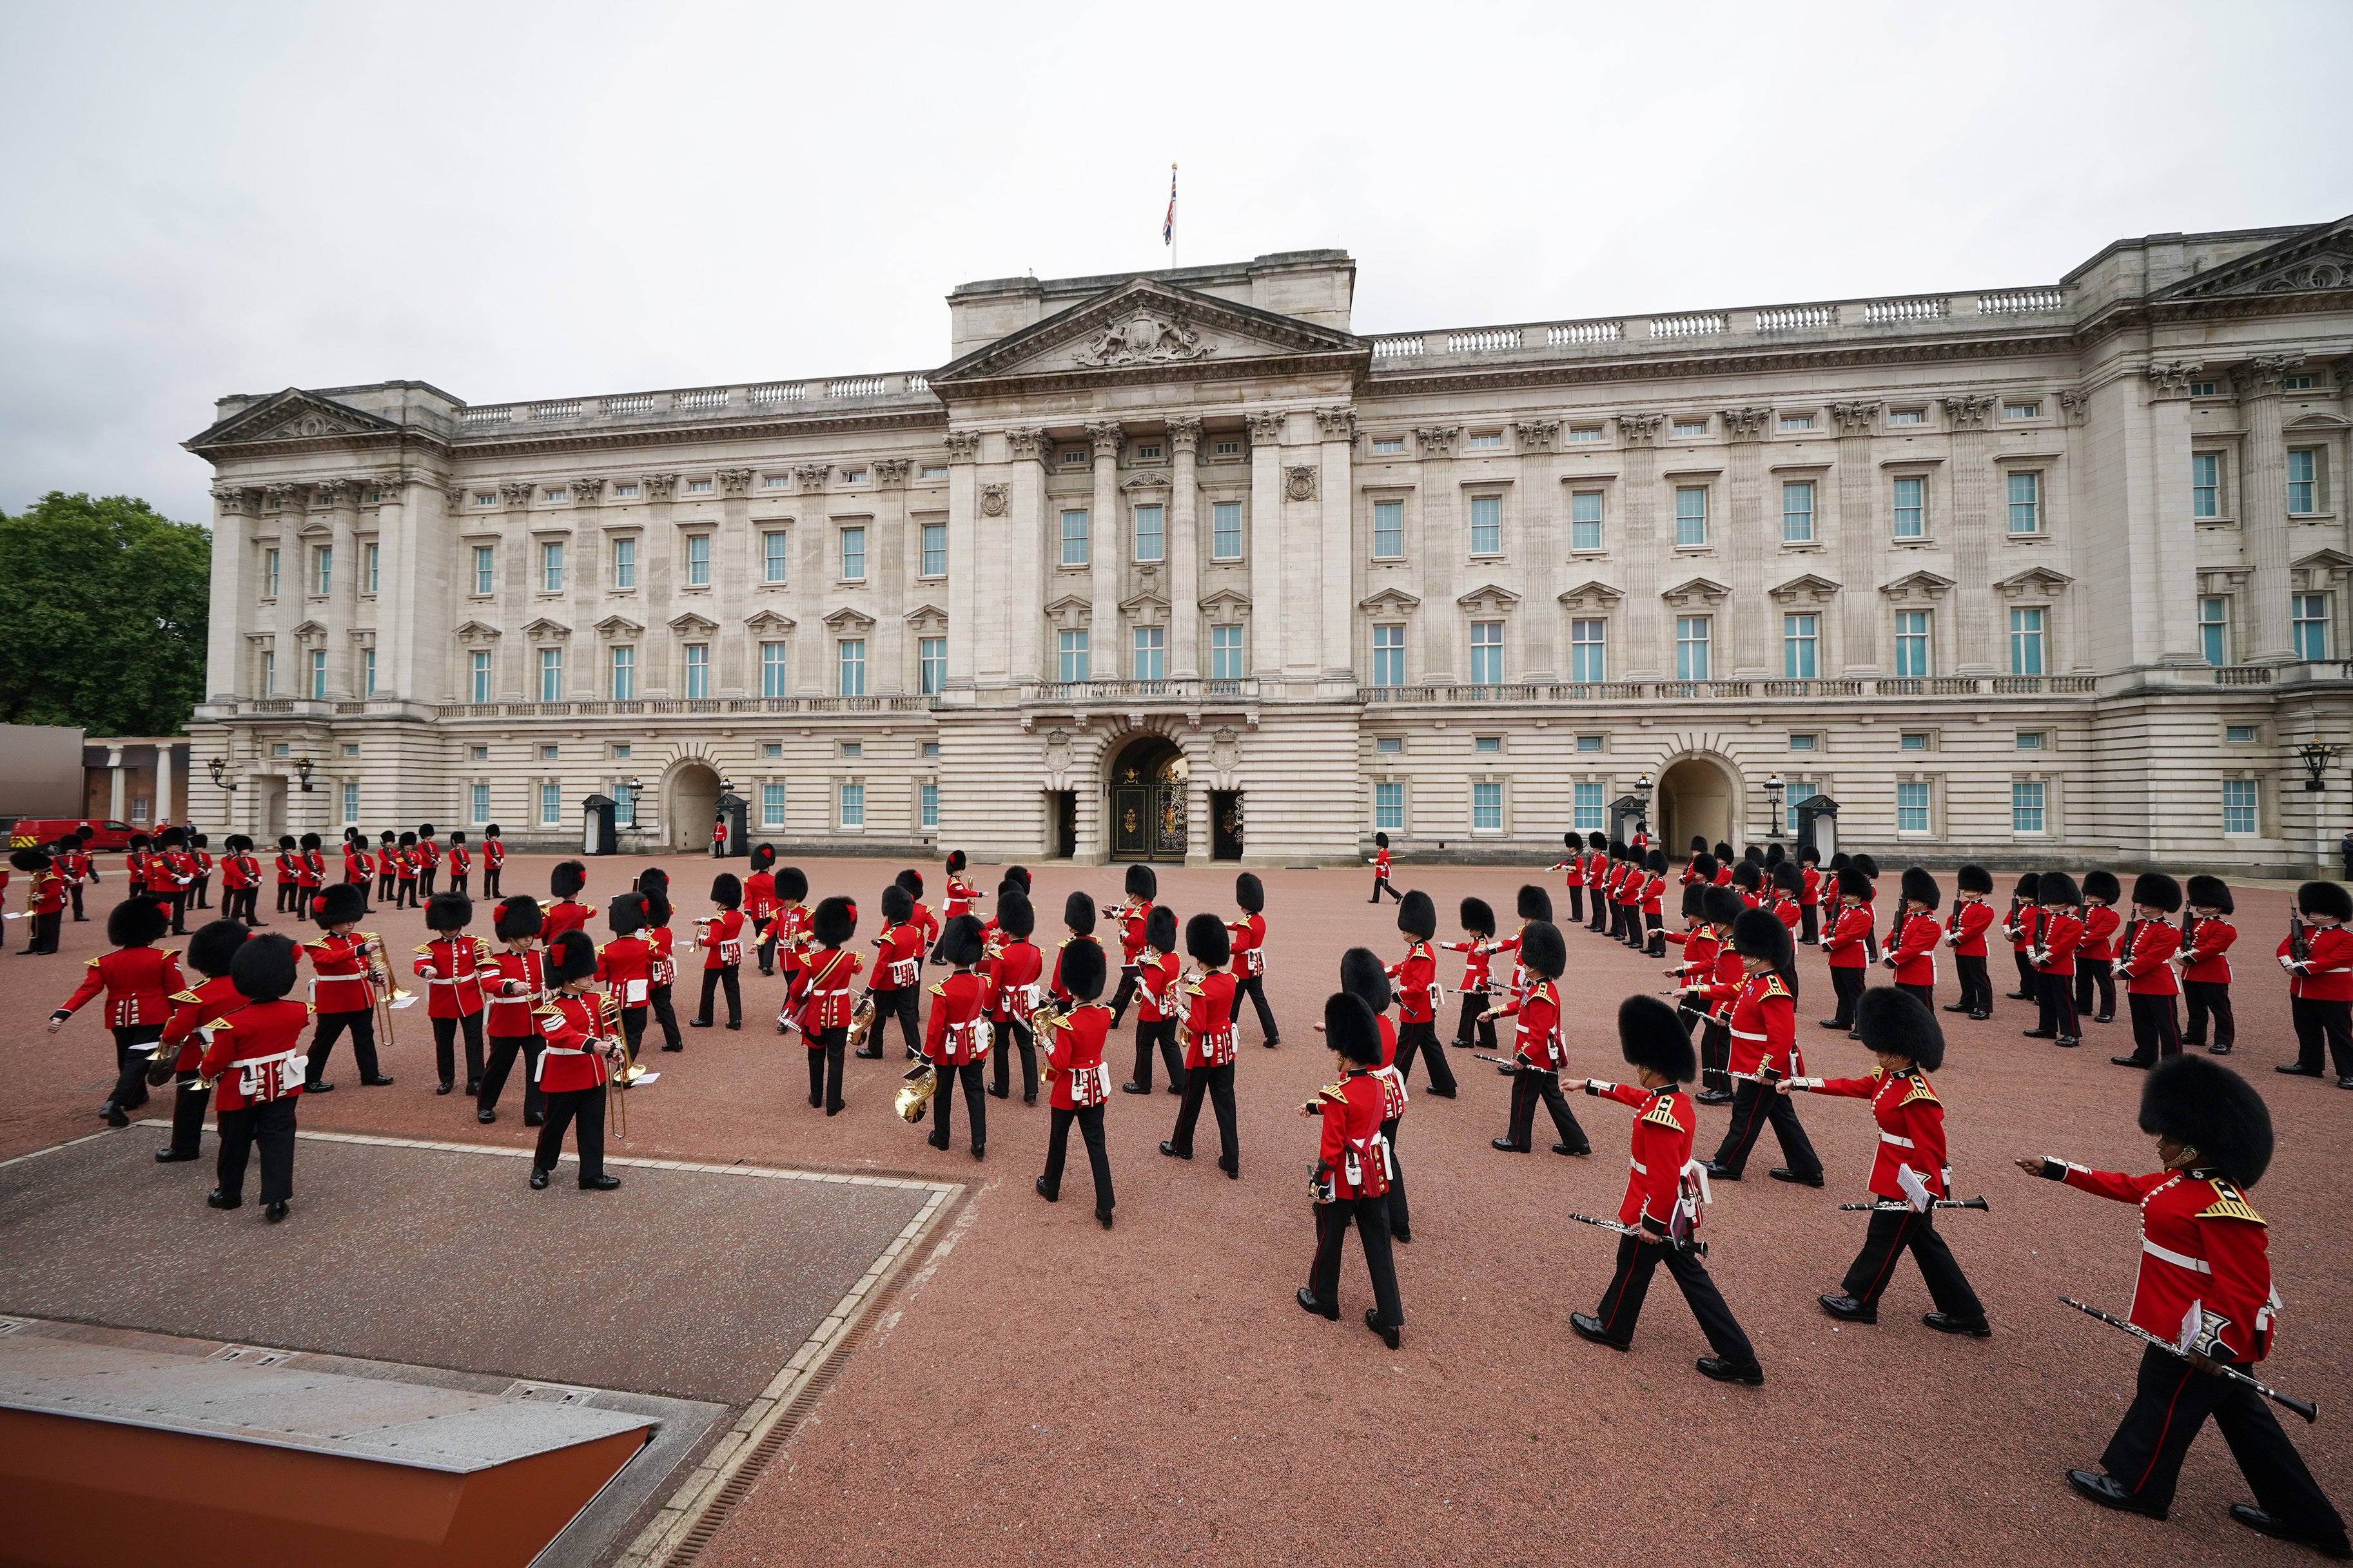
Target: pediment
1489 597
1068 603
2033 580
1225 599
619 626
770 621
846 617
1592 590
544 627
2318 561
1805 585
314 628
1390 599
2303 425
292 415
472 631
1697 588
2320 260
693 624
1923 583
1147 481
921 612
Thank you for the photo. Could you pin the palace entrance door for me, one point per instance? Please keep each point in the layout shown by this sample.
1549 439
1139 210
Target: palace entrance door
1146 787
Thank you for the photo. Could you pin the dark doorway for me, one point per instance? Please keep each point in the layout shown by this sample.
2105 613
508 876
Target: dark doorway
1062 824
1146 788
1225 824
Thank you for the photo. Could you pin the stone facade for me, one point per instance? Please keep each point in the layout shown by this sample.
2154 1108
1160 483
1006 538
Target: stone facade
2009 575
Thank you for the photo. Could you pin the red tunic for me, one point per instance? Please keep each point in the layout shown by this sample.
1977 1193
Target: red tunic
2202 1248
1700 946
1074 1058
313 869
789 929
459 861
2326 972
1914 954
1574 867
1537 1043
1966 926
818 992
183 1033
1249 935
494 854
240 871
721 939
664 941
1132 918
2207 957
1352 1160
2062 934
511 1010
1013 990
1788 912
960 897
2100 923
1663 1125
263 1041
759 898
1418 991
923 920
1911 1127
359 866
289 868
452 968
2147 958
898 957
139 983
576 1025
339 975
1475 965
564 915
953 1035
46 895
626 965
1809 881
1156 993
1764 1028
1843 942
1209 1035
1054 987
1381 864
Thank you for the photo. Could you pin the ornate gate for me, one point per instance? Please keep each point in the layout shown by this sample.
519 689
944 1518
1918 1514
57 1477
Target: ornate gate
1147 803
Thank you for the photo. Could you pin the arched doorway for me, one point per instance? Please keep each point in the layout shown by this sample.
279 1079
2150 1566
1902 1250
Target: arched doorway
1695 799
1146 784
689 806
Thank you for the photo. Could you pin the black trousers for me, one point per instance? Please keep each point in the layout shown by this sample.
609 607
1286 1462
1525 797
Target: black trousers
1809 924
1091 1132
1474 1004
179 902
1846 985
1976 989
731 976
896 1002
405 896
1422 1035
383 889
503 1050
1754 1105
133 1049
1012 1035
665 1012
203 892
825 1068
1371 1219
2157 1028
1528 1086
2319 1022
458 883
445 1048
244 904
2055 998
189 1103
43 938
269 1124
1716 1054
1217 1083
1161 1038
1617 920
2028 985
1601 908
1890 1236
766 951
286 905
425 874
2205 997
975 1101
1655 934
2096 975
1254 987
2171 1400
1622 1304
75 893
491 881
360 1023
633 1026
586 1108
1577 904
1124 993
1380 886
1400 1216
1924 995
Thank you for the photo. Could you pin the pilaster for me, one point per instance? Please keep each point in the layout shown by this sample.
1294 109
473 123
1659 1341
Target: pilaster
2260 383
1268 614
1643 650
1336 491
1858 535
1441 549
1751 611
1184 549
1107 653
1967 415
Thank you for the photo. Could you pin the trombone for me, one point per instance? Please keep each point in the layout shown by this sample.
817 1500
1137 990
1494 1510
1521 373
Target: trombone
381 986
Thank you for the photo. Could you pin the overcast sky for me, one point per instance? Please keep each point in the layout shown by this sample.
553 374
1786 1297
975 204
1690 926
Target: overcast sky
516 201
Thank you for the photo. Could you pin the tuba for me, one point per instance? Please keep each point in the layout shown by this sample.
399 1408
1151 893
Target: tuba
915 1090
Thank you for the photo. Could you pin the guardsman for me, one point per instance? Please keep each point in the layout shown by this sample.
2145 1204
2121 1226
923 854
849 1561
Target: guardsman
1160 1006
1362 977
1809 895
134 865
760 903
1478 921
1912 944
359 866
342 994
139 980
2205 1286
787 936
1537 1055
580 1037
405 864
1249 935
925 922
516 984
2205 964
720 938
74 864
1349 1181
1845 945
455 966
177 878
1749 881
819 999
1712 990
1663 1192
1572 865
200 849
1379 862
626 967
1143 886
896 987
1964 933
428 859
2145 958
2058 933
240 880
1870 869
1012 966
1786 884
1596 873
566 913
1910 1173
45 898
1764 1030
719 837
311 875
1698 941
661 988
1647 934
2018 929
1209 1042
388 868
461 861
494 859
253 1063
956 1037
1079 1083
1419 995
2096 958
2319 963
961 895
181 1053
1613 883
1534 904
1078 921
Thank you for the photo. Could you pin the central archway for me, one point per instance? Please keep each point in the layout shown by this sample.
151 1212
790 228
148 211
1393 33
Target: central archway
1696 800
1144 788
689 806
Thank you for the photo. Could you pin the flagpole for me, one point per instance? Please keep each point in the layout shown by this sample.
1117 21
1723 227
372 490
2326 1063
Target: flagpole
1172 218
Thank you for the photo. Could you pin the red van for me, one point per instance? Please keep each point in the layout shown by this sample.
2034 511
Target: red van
33 832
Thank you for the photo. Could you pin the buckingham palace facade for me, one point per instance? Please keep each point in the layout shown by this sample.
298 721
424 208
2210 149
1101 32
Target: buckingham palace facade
1177 565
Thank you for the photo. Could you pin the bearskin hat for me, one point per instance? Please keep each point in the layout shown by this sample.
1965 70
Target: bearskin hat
350 833
1019 874
1699 843
1017 920
1694 901
898 909
1810 856
1852 883
1207 939
386 837
1543 950
657 910
570 956
1536 904
425 830
1651 1036
1789 878
213 945
960 942
1350 1027
29 859
408 841
173 838
85 833
1655 861
1617 849
1142 882
912 881
1079 915
1476 916
2211 893
491 831
341 904
1362 977
196 841
1723 852
626 914
1597 839
1841 861
1973 880
1705 868
762 857
285 841
1757 933
1416 916
568 878
2057 887
1160 929
1753 855
1747 876
956 862
1249 893
1919 888
834 921
263 969
447 911
1380 840
1775 854
2325 898
1570 841
310 840
727 890
1867 866
1720 906
653 879
792 884
237 844
459 837
1898 1023
135 922
2028 886
517 917
2102 885
2199 1101
1083 967
2154 888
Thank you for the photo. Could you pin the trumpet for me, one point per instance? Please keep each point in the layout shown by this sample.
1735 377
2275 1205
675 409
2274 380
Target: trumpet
1042 1019
915 1091
861 1019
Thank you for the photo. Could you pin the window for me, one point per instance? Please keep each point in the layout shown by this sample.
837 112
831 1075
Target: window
853 748
1490 745
771 748
2206 484
549 753
1907 416
1588 743
1588 651
1388 656
481 675
625 674
2239 735
1800 637
2026 503
486 576
485 498
772 670
1690 648
620 753
1226 449
2021 410
853 667
1151 534
1148 452
1389 530
626 492
1691 426
1585 519
269 675
367 672
1797 422
1800 792
625 564
1389 807
1071 652
927 803
2214 628
1912 644
2303 490
1225 530
2026 806
279 749
318 681
1390 746
853 476
1589 808
853 806
351 749
1912 806
351 803
1486 525
551 566
559 495
1911 504
1388 446
478 804
698 487
1912 741
2204 388
323 561
772 806
1486 438
930 666
1798 513
930 471
2295 383
2026 642
550 804
778 482
1073 457
269 573
1691 516
775 562
1151 653
2311 617
1486 807
1486 653
625 802
1585 433
1225 653
1074 538
935 550
2238 805
698 671
1805 743
551 675
697 561
371 558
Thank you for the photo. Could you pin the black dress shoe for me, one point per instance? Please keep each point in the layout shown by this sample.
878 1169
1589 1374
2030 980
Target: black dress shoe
2293 1069
170 1157
816 1100
875 1055
2109 1492
1308 1303
1980 1018
275 1212
216 1199
473 1087
705 1022
1505 1071
2129 1062
538 1178
1233 1168
1830 1022
2019 995
485 1115
1724 1370
1102 1218
939 1141
1029 1100
1716 1172
736 1025
1176 1089
2066 1042
318 1089
1847 1310
1956 1006
1565 1148
1588 1327
837 1108
1270 1045
1404 1236
979 1150
444 1087
1050 1197
1506 1145
534 1119
599 1183
115 1116
381 1080
1946 1323
1783 1174
1713 1097
2218 1050
2331 1545
2038 1034
1388 1331
2104 1017
1447 1093
679 1047
1169 1149
1000 1093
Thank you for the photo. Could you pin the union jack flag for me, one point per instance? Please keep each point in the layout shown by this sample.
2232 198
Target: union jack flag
1168 224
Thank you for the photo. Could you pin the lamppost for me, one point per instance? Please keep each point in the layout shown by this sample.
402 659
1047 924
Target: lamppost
1773 788
302 771
636 790
219 766
1642 784
2316 756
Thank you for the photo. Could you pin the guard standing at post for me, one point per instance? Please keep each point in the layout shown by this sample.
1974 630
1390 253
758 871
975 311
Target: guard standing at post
2145 958
494 859
1964 933
2319 963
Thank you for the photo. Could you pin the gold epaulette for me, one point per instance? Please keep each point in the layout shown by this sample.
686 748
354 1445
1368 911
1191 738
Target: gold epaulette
1663 1114
425 950
171 952
1773 986
185 996
937 988
1920 1090
1332 1092
547 1010
2228 1205
94 962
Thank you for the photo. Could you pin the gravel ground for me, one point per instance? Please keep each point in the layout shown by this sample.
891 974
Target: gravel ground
1044 1390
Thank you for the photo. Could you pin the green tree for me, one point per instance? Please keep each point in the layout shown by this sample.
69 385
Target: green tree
102 611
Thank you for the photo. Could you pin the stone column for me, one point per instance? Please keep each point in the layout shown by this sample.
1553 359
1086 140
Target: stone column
1643 649
2263 489
2169 634
1184 549
1751 613
976 643
163 811
900 560
1982 631
809 666
1028 516
1858 537
1541 550
1267 617
1442 548
515 656
1107 656
232 602
114 802
342 500
1339 556
292 501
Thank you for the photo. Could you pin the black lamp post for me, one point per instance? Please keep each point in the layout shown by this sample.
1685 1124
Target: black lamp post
2316 756
303 766
1773 788
219 766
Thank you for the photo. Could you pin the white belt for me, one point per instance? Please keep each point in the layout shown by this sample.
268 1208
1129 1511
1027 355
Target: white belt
1899 1142
1744 1035
457 980
252 1067
1638 1166
539 1072
2176 1258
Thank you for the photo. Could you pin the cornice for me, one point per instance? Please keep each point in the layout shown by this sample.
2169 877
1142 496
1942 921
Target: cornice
638 437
